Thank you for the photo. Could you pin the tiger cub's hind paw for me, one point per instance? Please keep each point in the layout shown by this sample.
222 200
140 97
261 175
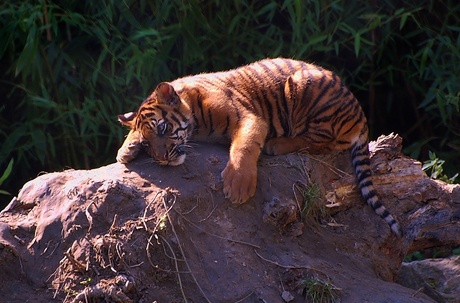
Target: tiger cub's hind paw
273 147
282 145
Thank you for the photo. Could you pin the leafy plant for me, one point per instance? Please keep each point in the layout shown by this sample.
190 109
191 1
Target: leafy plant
435 168
434 252
71 66
5 176
310 194
318 291
456 251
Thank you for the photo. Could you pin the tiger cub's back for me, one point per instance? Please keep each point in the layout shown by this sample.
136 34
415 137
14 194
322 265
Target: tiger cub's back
294 97
302 100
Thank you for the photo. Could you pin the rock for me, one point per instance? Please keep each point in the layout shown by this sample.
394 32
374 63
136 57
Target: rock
143 233
438 278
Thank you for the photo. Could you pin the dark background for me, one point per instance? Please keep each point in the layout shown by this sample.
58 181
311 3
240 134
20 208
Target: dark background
69 67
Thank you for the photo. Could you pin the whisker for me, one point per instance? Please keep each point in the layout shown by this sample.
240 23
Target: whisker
190 144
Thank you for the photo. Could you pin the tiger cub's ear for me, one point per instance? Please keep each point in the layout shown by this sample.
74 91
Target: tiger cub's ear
166 94
127 119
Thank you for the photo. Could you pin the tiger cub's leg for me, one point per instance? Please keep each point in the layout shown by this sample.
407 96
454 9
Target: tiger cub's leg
240 174
284 145
130 148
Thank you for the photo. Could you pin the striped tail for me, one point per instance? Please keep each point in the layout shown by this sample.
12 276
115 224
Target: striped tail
361 164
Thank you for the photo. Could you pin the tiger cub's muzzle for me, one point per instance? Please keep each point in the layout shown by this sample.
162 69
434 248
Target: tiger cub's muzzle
172 156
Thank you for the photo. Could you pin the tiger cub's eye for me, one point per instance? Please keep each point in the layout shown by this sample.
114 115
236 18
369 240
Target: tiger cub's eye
162 128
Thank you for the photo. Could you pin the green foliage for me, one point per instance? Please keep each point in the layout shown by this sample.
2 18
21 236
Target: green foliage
318 291
71 66
456 251
434 166
415 256
434 252
5 176
312 205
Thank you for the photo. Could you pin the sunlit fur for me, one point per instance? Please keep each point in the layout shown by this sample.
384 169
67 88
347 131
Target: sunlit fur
275 105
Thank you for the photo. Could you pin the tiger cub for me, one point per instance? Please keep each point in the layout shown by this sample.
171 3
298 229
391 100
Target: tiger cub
277 106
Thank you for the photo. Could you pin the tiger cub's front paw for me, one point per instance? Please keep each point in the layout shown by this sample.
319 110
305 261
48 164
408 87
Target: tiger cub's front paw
130 148
128 153
239 185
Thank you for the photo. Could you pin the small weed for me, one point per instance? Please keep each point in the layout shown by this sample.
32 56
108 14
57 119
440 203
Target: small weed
162 222
5 176
310 194
433 253
415 256
434 168
87 281
316 290
71 291
456 251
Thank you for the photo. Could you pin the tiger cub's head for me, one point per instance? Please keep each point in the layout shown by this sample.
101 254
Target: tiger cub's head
161 126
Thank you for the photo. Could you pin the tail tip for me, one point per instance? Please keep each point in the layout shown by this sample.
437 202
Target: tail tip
396 229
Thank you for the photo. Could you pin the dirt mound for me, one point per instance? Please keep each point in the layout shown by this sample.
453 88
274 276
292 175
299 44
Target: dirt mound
145 233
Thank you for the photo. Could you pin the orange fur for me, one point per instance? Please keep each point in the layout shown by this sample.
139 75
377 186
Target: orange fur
275 105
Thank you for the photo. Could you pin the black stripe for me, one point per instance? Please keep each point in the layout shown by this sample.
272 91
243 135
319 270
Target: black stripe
385 213
272 131
242 92
283 111
356 122
280 69
322 93
366 183
324 109
196 127
326 135
261 93
361 153
148 115
307 85
200 106
320 96
226 126
178 112
211 125
369 196
246 105
291 67
323 78
237 110
275 98
342 142
214 82
360 162
269 74
164 114
391 221
173 117
359 149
